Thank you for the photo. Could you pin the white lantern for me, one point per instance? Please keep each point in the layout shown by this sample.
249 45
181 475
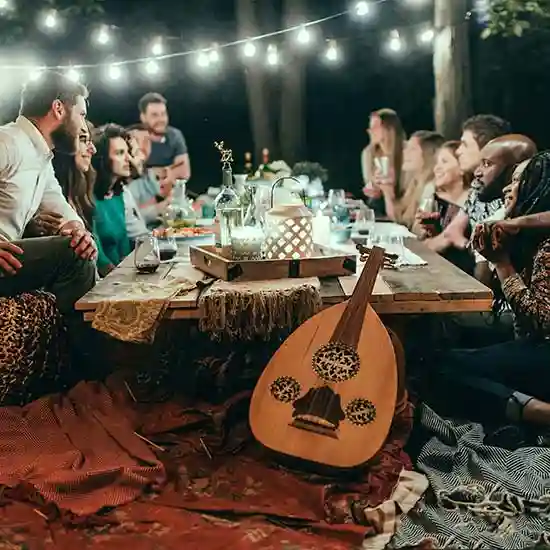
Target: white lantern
289 231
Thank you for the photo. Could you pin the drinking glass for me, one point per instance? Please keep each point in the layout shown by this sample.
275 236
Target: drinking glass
364 221
168 247
391 243
146 254
336 197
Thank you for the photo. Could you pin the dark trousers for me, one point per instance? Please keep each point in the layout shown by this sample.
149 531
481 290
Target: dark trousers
478 384
49 263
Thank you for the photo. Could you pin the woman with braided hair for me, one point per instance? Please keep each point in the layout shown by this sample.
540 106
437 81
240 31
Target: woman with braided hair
510 380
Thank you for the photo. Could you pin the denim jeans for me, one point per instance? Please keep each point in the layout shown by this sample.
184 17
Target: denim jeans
478 384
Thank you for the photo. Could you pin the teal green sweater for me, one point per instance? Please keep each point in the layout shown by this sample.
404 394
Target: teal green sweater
110 233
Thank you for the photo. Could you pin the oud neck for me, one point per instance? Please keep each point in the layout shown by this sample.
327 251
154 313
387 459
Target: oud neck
348 329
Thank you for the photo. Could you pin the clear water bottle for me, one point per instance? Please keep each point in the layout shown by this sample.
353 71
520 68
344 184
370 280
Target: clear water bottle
229 210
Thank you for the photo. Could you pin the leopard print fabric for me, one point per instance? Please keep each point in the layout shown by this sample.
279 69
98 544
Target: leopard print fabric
32 347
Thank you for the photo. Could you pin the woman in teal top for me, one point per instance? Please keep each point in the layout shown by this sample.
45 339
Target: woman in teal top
112 166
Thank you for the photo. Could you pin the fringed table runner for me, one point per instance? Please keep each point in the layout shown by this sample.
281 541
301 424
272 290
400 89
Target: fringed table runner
135 314
249 310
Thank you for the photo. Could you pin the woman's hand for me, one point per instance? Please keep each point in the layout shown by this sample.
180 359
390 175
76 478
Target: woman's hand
372 191
385 182
428 223
490 240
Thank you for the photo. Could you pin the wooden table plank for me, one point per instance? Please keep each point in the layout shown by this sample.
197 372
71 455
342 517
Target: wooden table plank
438 287
117 281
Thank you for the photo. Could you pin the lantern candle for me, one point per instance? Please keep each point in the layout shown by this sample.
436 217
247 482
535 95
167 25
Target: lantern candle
247 242
289 232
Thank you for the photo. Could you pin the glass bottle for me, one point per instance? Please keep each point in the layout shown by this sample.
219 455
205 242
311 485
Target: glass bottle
180 213
229 210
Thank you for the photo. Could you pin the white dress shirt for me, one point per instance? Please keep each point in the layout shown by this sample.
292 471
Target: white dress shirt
27 179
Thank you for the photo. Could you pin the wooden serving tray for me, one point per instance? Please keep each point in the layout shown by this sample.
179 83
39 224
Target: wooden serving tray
325 262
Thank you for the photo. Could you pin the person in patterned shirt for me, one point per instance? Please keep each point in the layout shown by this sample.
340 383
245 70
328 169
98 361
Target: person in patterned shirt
511 380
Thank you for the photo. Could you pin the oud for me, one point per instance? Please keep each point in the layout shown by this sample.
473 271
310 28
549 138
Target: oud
328 395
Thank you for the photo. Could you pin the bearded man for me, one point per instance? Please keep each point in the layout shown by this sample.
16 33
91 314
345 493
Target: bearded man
52 112
498 160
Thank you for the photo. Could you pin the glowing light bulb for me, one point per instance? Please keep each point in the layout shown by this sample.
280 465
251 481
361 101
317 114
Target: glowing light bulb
4 4
332 53
203 60
362 8
51 21
114 72
73 74
152 67
395 44
103 36
214 54
303 36
156 48
35 73
427 36
272 55
249 49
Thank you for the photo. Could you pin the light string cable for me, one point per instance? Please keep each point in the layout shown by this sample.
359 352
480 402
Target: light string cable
173 55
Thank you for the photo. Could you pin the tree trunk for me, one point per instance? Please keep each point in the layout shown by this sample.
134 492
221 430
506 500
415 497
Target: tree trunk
256 85
292 116
453 96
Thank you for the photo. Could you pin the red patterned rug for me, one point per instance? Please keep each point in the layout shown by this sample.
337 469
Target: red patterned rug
92 469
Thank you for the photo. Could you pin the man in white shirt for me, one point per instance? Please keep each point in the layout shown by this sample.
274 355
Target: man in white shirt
53 110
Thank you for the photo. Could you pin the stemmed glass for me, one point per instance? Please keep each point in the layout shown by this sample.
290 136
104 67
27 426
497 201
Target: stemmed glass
146 254
364 221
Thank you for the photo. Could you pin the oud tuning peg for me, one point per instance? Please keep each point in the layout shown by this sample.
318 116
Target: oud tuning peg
390 260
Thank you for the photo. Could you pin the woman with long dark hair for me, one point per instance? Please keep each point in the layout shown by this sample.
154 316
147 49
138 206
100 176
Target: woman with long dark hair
509 380
77 177
112 167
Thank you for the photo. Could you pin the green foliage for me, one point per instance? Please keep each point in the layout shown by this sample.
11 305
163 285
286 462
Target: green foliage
514 17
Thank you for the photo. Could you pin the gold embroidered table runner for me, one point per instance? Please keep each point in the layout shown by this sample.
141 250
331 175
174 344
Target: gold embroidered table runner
135 314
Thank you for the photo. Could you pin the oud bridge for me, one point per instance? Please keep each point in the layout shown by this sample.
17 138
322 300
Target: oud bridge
315 424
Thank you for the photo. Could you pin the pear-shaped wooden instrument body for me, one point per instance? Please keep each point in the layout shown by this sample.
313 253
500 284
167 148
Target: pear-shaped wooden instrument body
328 394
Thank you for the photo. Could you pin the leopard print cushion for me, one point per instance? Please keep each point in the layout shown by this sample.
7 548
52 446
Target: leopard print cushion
32 347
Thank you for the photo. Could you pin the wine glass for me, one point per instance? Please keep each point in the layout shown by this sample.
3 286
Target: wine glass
146 254
364 221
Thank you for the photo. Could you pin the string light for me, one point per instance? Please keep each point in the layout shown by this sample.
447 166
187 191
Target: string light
249 49
214 54
51 20
332 53
362 8
102 36
35 73
73 74
304 35
427 36
203 60
395 44
157 48
152 67
272 55
114 72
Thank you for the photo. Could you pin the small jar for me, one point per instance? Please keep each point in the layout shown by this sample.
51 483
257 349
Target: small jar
247 242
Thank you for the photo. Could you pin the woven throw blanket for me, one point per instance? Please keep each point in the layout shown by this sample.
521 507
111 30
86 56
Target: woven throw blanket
481 496
249 310
135 313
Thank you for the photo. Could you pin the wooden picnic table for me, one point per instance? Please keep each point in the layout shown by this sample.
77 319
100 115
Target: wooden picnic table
438 287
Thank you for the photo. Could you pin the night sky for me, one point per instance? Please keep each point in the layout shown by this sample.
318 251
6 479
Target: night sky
510 77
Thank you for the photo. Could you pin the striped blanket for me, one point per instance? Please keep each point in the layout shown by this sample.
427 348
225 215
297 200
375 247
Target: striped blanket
479 496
